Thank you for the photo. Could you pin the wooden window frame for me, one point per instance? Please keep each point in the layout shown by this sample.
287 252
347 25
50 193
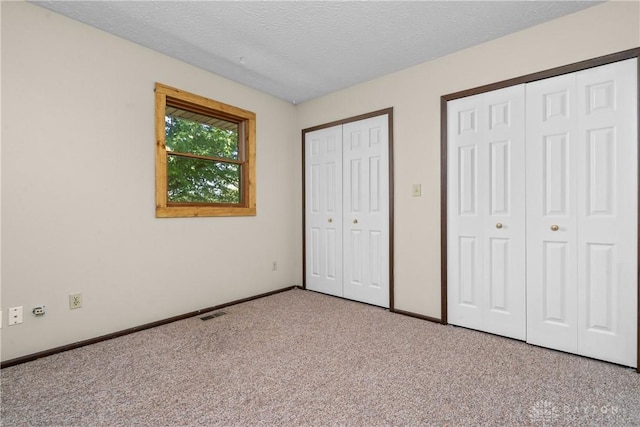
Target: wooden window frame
247 154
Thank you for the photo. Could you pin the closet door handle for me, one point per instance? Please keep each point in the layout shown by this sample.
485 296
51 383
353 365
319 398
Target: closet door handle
330 219
355 221
555 228
499 225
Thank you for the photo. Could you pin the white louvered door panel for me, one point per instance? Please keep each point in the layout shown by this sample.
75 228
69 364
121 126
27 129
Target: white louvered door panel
323 210
607 212
366 210
552 148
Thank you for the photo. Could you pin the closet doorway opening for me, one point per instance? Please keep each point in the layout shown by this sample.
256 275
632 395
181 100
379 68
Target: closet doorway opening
348 208
540 208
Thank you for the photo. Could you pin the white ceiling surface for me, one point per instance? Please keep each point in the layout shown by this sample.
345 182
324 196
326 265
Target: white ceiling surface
300 50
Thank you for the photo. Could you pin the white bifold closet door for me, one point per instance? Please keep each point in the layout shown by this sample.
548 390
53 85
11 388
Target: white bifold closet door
486 221
323 210
542 212
347 210
582 212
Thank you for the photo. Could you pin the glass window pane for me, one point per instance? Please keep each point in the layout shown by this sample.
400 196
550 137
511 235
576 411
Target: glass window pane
193 133
202 181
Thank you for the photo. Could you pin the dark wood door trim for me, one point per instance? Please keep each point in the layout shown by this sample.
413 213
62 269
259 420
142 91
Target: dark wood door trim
566 69
389 112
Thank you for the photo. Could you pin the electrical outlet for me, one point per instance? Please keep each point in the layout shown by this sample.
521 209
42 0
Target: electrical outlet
416 190
15 315
75 301
274 265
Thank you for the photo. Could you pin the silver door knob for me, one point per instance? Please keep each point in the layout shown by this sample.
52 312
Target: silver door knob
355 221
330 219
499 225
555 228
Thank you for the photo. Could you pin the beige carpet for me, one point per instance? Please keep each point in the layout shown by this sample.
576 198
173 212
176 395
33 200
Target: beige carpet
300 358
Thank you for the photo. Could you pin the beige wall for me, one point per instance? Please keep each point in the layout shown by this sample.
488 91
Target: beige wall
2 313
78 172
415 93
78 207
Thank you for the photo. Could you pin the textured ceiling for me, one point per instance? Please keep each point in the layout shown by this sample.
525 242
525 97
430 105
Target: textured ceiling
301 50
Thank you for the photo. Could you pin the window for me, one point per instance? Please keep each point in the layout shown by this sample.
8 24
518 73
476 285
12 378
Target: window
205 156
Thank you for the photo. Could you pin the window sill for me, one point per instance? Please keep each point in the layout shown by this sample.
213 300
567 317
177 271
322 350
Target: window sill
203 211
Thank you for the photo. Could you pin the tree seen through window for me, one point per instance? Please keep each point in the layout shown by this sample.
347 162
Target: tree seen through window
202 160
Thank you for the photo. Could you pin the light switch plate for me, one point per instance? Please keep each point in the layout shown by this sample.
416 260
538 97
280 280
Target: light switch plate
417 190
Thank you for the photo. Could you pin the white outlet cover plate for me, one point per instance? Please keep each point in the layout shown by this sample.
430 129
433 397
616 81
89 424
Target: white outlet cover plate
15 315
75 301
